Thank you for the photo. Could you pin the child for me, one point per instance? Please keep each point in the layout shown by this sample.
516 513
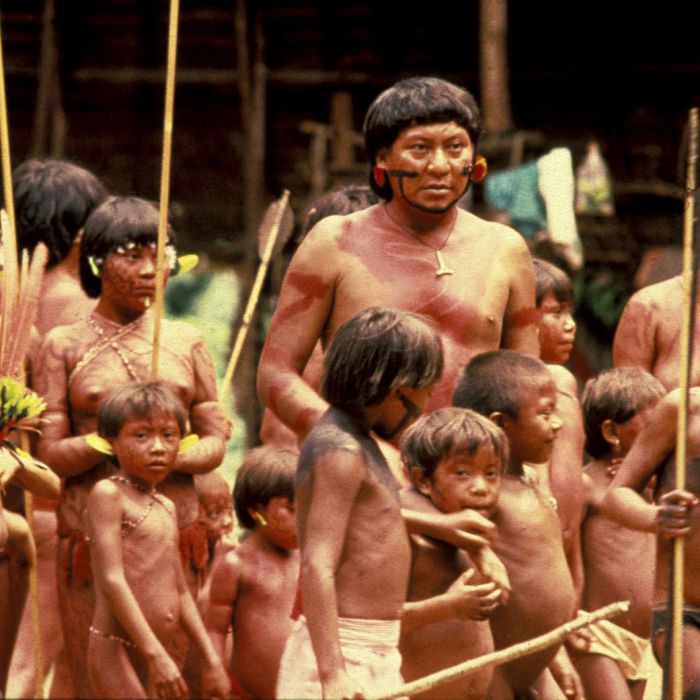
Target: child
378 375
556 329
253 587
674 513
618 562
518 393
554 296
455 459
141 597
215 515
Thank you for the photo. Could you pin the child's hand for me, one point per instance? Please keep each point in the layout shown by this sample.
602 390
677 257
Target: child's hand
471 529
215 682
166 678
473 602
493 569
566 676
673 513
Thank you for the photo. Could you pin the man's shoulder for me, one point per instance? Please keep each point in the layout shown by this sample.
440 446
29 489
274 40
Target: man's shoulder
666 293
498 233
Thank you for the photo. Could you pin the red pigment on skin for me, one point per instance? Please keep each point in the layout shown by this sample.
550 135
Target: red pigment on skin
453 319
524 317
304 421
276 389
310 286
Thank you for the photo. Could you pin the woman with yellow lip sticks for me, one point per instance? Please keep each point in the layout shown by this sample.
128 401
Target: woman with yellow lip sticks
81 364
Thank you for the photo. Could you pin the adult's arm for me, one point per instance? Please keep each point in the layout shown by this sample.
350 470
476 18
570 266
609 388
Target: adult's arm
206 414
65 454
303 310
520 319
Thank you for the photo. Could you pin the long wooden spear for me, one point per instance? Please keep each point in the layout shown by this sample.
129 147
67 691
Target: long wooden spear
165 183
274 223
11 284
502 656
677 590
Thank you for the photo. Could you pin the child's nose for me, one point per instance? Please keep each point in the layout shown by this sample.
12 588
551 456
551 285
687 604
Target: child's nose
158 445
478 485
148 266
556 422
569 323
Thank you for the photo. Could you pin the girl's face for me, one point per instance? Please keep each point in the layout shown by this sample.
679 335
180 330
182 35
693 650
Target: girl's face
557 330
146 447
464 480
129 279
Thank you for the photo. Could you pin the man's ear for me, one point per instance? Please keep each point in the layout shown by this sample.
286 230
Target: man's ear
420 480
380 158
608 430
498 418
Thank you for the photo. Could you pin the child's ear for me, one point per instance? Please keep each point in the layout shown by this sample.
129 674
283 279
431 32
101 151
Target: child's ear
257 516
498 418
420 480
609 431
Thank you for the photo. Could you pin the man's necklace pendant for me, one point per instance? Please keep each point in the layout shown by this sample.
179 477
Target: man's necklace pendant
443 268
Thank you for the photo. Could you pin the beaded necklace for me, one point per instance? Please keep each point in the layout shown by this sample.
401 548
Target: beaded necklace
110 341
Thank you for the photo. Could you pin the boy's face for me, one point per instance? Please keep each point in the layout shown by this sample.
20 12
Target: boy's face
399 410
281 529
147 447
433 158
216 514
557 329
628 431
464 481
531 435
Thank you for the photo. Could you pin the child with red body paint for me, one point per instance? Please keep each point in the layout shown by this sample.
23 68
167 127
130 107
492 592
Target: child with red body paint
519 394
253 587
556 329
673 513
618 561
141 595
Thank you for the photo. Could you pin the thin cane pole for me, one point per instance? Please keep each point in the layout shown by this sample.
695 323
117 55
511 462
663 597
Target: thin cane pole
254 295
10 211
502 656
165 183
6 184
683 383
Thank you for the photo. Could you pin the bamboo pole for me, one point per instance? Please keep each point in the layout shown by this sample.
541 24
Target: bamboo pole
254 294
9 300
165 183
676 685
502 656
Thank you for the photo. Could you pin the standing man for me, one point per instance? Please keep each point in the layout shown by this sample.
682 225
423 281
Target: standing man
416 251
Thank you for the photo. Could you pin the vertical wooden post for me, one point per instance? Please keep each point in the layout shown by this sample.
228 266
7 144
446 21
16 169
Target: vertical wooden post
493 68
342 155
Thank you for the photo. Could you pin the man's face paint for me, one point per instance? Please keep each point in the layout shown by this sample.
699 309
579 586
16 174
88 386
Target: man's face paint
431 165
